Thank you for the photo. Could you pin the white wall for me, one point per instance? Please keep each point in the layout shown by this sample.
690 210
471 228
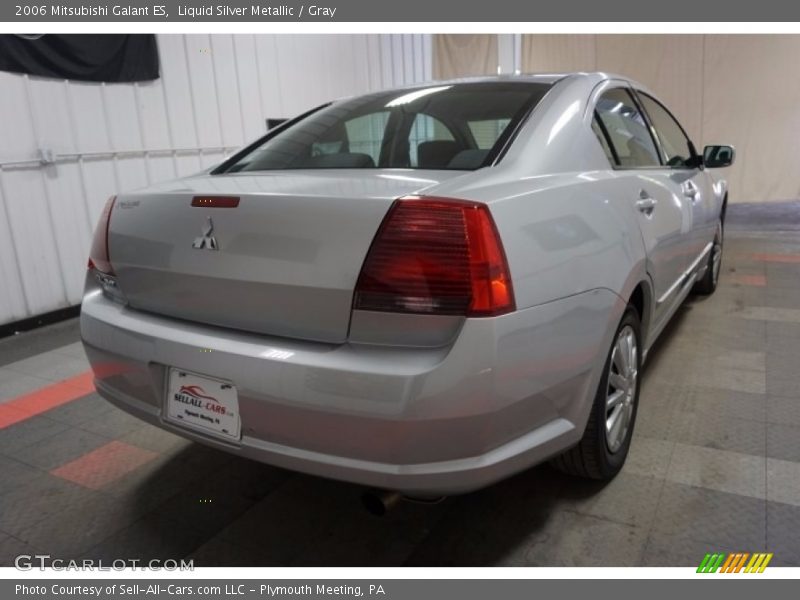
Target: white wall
724 89
214 94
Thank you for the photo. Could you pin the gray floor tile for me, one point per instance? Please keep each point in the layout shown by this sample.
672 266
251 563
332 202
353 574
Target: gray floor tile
783 364
16 475
700 401
37 341
14 384
31 431
51 365
40 498
573 540
769 313
628 499
722 431
648 457
718 470
786 335
156 440
786 387
113 424
722 520
11 548
657 421
714 367
783 410
81 410
663 550
218 552
75 349
783 481
151 537
96 518
783 442
59 449
783 526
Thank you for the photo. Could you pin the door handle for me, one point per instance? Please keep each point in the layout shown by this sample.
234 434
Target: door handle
690 191
646 204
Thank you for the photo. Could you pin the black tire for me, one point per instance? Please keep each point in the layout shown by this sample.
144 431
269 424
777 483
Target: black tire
708 284
592 458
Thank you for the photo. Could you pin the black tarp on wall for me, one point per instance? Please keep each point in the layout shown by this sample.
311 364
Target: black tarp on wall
114 58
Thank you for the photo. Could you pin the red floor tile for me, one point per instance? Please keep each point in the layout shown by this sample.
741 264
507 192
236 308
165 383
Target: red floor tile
108 463
36 402
778 258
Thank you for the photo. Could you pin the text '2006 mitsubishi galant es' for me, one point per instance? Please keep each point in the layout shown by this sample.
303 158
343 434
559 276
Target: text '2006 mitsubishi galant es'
423 290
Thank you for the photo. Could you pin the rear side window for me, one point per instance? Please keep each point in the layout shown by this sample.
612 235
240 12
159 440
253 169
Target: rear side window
430 143
485 133
459 126
363 134
670 134
626 133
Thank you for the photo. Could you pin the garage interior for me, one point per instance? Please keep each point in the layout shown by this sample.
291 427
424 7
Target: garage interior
715 459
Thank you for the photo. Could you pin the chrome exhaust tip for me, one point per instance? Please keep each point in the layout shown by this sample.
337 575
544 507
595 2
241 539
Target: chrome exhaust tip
379 502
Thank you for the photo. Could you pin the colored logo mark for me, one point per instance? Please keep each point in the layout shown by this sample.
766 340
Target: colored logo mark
734 562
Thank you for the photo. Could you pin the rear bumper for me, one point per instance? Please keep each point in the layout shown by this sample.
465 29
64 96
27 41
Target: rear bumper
508 393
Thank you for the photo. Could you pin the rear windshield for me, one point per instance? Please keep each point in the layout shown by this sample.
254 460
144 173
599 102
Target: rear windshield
460 126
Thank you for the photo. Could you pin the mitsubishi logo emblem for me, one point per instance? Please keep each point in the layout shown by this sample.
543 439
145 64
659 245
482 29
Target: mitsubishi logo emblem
207 241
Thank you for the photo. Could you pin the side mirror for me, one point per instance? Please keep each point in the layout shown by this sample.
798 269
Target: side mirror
715 157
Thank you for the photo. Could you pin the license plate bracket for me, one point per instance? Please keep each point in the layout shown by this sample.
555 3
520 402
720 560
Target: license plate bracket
203 403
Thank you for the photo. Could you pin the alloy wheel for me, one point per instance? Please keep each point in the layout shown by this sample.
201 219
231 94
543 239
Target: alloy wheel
622 385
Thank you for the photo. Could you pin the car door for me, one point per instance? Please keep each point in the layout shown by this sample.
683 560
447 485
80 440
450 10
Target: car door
685 175
663 216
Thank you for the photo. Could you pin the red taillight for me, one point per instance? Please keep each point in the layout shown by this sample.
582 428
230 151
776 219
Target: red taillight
98 255
436 256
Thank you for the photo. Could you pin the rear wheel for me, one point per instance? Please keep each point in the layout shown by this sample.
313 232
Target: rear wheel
708 283
602 451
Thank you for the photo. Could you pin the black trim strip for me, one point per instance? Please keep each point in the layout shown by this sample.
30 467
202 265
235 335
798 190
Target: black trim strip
607 137
509 135
55 316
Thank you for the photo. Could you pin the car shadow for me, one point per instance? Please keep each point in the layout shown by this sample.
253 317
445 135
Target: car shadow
221 510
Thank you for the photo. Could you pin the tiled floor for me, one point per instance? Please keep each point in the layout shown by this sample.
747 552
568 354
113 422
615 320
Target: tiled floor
715 463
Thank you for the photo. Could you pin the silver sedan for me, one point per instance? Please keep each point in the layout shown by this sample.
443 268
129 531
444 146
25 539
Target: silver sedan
423 290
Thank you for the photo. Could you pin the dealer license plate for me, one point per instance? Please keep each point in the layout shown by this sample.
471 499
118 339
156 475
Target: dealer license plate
203 403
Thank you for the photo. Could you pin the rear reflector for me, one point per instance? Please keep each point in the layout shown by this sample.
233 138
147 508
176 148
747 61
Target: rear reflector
436 256
216 201
98 255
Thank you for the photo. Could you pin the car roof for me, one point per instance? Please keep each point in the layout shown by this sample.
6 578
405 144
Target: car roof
547 78
593 78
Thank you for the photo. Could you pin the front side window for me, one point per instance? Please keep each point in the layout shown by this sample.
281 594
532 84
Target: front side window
674 143
627 133
458 126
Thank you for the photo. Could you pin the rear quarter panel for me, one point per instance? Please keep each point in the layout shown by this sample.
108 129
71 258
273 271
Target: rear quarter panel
565 216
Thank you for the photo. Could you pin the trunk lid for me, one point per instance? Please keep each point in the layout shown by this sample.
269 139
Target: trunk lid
287 257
